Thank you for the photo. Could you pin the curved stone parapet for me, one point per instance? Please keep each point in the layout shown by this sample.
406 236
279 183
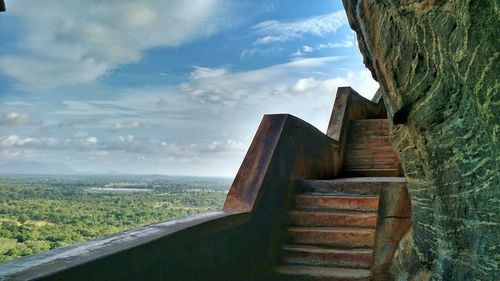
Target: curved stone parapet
163 251
284 149
349 105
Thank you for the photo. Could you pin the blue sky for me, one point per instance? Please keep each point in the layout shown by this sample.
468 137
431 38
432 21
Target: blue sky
164 87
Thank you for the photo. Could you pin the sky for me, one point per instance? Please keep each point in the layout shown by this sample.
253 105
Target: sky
164 87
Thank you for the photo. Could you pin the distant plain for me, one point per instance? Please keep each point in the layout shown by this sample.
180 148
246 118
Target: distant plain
43 212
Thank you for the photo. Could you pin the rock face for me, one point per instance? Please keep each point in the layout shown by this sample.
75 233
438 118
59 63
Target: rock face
438 64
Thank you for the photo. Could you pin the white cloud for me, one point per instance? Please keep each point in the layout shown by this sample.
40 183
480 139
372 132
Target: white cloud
298 54
248 53
17 118
17 141
307 49
17 103
90 109
91 140
78 41
125 125
277 31
304 84
361 81
33 72
348 42
14 140
271 39
128 138
128 143
307 78
205 72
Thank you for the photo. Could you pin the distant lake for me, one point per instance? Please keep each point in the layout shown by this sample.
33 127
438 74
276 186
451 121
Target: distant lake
120 189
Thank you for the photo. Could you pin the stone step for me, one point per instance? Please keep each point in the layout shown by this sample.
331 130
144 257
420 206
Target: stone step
390 157
387 151
369 165
360 158
369 139
368 132
357 185
319 273
332 236
315 201
339 219
363 136
314 255
371 162
370 172
369 123
369 146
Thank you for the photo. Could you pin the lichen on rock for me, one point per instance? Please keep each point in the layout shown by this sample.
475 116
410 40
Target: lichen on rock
438 65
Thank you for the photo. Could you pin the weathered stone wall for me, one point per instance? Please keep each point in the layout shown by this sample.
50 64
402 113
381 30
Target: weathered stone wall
393 222
438 64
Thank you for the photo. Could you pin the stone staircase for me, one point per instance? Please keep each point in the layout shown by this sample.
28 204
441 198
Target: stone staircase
368 150
332 224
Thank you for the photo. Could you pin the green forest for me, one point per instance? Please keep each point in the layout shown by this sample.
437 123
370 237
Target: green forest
39 213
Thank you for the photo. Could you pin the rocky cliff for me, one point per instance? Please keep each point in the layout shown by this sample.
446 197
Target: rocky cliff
438 64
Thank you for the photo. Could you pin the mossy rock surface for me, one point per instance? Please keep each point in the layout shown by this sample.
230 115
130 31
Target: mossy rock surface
438 63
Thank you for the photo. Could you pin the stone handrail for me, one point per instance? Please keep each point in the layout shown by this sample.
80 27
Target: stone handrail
349 105
139 254
284 149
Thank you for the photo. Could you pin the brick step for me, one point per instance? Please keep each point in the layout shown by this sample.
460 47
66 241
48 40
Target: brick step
366 159
370 152
359 185
371 121
368 139
370 165
372 149
332 236
335 218
370 145
315 201
363 138
373 124
370 172
374 157
360 131
366 132
314 255
369 134
319 273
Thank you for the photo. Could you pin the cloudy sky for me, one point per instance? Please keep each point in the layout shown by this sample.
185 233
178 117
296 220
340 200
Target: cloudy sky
164 87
